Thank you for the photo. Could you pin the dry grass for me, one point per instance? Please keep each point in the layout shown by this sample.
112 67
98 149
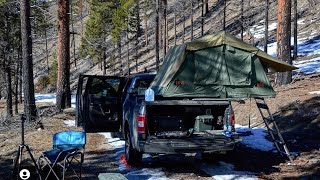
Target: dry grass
40 140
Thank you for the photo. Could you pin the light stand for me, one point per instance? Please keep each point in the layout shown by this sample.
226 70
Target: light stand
18 159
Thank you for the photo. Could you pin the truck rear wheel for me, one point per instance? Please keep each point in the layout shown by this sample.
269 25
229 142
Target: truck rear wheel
133 156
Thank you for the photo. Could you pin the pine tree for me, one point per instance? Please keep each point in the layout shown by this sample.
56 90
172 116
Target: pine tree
157 35
266 26
63 80
295 29
283 39
27 65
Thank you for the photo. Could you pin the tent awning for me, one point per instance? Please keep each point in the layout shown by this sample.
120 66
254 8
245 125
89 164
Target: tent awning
224 38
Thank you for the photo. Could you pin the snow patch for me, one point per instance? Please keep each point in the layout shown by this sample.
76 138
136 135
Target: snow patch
315 92
51 98
225 171
70 123
308 66
254 138
131 172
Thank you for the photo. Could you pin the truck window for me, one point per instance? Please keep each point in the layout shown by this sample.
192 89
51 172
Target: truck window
105 88
141 85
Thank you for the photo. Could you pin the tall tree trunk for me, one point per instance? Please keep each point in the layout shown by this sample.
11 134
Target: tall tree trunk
157 36
165 27
242 20
16 87
191 38
81 15
73 37
184 23
114 59
63 80
207 7
224 14
138 32
146 28
283 39
104 61
202 17
128 52
8 86
47 53
175 28
29 99
266 24
295 30
160 23
119 56
20 76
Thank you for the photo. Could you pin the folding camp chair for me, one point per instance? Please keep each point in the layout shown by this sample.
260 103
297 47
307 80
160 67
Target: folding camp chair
68 149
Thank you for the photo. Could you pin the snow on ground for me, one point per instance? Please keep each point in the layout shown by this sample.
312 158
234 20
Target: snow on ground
225 171
130 172
254 138
315 92
308 66
51 98
220 171
306 46
70 123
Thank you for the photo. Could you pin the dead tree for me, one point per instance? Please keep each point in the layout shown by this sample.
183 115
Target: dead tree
27 65
283 39
63 80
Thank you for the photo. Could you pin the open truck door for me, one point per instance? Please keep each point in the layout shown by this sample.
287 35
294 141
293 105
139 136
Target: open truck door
98 103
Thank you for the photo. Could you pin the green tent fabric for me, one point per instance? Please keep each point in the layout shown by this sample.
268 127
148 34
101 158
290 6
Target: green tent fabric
220 66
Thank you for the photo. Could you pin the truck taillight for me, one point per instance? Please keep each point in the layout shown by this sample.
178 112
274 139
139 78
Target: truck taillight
141 123
232 122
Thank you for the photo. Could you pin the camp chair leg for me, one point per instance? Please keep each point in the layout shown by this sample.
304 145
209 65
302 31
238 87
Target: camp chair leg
81 162
47 163
67 163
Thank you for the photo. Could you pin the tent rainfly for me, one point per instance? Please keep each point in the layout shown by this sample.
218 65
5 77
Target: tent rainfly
216 66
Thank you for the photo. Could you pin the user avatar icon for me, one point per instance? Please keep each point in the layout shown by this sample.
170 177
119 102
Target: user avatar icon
24 174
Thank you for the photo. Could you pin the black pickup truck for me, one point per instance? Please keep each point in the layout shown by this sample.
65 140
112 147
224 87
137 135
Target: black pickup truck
164 126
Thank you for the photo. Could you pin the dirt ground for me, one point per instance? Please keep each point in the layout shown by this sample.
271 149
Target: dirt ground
97 151
295 109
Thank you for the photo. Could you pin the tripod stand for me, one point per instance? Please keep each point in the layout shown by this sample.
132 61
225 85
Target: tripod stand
18 159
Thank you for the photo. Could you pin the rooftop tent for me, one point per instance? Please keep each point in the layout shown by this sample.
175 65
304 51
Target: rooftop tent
218 65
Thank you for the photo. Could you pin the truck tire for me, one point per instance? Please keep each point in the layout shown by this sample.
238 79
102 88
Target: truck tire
133 156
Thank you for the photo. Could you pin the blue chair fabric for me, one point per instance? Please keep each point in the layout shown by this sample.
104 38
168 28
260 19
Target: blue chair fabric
66 146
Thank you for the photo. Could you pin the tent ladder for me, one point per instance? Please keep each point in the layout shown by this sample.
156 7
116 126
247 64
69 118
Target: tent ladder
272 128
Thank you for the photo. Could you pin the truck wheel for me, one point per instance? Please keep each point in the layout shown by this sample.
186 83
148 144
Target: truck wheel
133 156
